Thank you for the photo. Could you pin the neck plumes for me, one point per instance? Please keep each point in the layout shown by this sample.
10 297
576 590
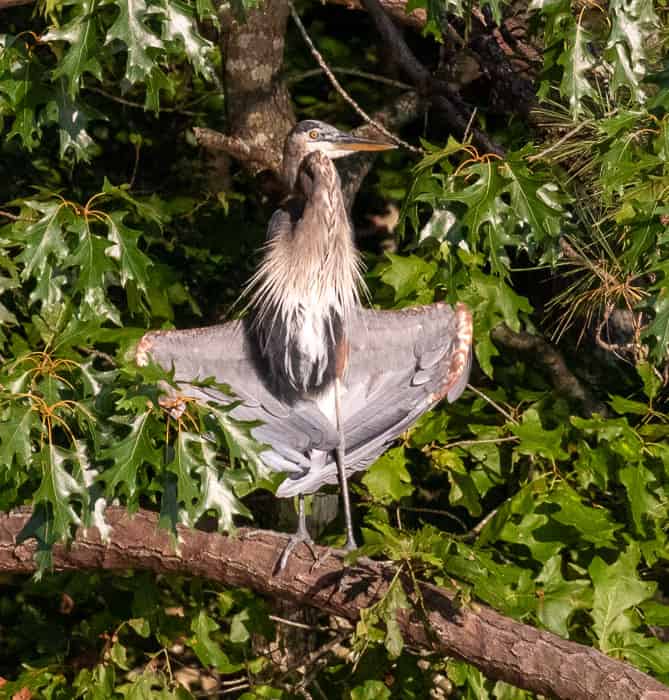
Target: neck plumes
307 285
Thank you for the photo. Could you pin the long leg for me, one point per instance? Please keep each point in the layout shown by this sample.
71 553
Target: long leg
341 469
302 535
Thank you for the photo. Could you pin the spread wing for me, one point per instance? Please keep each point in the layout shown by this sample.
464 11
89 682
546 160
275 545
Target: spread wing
400 364
224 353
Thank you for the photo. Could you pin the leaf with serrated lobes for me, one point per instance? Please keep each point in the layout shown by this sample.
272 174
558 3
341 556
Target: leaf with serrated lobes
141 43
129 455
82 55
44 239
239 441
15 436
133 264
617 588
57 488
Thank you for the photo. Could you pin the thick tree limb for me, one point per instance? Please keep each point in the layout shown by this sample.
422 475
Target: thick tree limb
502 648
545 356
259 108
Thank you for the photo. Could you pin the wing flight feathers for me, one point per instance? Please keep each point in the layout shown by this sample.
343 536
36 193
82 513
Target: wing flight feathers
400 364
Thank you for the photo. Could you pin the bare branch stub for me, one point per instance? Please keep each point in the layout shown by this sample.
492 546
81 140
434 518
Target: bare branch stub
500 647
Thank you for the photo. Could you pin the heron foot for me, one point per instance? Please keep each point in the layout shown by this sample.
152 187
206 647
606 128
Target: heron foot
300 537
351 545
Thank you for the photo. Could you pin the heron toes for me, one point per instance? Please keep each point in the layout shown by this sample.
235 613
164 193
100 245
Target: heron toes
351 545
300 537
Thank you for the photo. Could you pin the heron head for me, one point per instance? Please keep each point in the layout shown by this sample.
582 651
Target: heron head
311 135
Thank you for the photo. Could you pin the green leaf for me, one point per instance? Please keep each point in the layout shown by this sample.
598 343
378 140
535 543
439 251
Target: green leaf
637 479
84 44
533 200
617 589
592 524
536 440
72 119
179 27
486 211
239 441
658 330
93 267
44 239
141 43
408 275
129 455
560 598
578 63
199 485
15 442
651 382
119 655
371 690
628 48
57 488
209 651
388 479
492 302
133 264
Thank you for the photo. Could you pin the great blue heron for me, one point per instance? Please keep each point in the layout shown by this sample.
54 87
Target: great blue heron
332 383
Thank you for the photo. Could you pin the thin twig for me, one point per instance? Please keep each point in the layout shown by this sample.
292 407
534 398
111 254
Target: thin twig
98 353
476 530
469 124
15 217
493 441
138 147
435 511
299 625
495 405
335 83
139 105
350 71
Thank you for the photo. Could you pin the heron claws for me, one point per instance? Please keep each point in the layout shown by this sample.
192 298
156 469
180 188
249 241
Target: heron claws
300 537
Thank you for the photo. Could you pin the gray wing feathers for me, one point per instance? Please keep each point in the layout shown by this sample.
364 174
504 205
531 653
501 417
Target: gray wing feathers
222 352
401 363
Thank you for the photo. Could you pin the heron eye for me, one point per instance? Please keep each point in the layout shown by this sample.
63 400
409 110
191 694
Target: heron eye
313 134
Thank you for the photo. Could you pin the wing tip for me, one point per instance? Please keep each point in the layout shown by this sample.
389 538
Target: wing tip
143 350
461 356
461 361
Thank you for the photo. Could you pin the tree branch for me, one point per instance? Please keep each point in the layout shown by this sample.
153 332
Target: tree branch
4 4
502 648
354 169
395 8
551 361
443 96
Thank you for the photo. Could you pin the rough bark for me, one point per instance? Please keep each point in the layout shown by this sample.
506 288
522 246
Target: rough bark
502 648
259 109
